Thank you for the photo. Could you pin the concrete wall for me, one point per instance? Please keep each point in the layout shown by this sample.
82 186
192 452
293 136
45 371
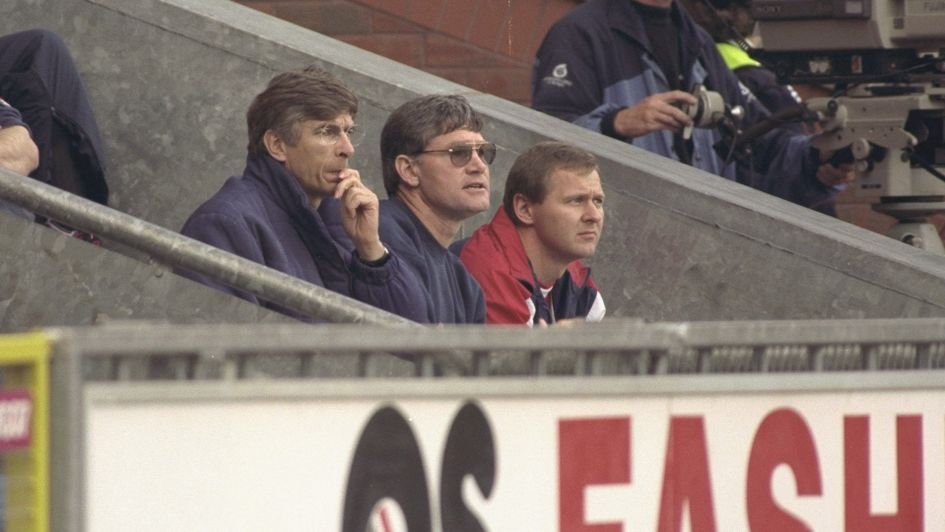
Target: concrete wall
48 278
171 79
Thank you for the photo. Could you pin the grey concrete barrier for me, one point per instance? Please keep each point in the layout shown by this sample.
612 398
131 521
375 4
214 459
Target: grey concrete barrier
171 80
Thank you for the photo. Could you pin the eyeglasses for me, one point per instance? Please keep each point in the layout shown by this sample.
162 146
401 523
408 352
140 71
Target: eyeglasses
460 155
330 134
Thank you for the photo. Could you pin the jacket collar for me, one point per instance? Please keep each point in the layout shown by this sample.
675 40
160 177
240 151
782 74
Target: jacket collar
273 178
404 212
285 191
509 241
734 56
624 19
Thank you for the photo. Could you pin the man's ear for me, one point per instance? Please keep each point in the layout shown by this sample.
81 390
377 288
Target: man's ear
523 209
407 169
274 145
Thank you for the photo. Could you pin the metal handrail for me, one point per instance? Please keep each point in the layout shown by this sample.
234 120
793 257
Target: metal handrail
610 348
171 248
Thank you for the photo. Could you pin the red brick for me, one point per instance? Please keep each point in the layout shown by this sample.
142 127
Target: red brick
863 215
442 51
399 8
503 60
489 20
509 83
427 13
265 7
456 75
403 48
330 18
554 10
457 18
523 24
384 23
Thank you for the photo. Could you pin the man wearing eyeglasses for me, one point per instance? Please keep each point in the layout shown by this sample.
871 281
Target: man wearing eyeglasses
528 258
435 163
301 137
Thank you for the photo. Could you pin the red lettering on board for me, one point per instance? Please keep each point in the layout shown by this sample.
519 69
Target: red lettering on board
590 452
782 438
686 478
856 467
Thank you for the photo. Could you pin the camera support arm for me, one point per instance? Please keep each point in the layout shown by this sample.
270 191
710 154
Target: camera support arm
874 128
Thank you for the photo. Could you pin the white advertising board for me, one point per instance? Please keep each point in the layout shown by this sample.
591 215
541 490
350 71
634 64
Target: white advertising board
862 460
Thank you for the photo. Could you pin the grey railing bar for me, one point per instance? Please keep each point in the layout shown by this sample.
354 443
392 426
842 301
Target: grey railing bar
171 248
149 337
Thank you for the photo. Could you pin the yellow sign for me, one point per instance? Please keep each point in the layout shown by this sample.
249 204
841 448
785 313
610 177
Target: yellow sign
24 398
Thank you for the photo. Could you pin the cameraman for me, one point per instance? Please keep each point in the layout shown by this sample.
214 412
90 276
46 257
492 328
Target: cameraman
624 68
731 25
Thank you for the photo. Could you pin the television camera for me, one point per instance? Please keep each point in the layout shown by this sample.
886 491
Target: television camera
885 61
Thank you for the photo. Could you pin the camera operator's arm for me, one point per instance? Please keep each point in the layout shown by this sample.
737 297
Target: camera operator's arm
783 162
654 113
833 176
17 150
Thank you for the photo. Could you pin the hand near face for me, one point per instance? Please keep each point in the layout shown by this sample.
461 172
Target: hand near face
654 113
360 210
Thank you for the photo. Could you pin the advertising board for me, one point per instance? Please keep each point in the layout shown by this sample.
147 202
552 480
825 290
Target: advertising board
520 456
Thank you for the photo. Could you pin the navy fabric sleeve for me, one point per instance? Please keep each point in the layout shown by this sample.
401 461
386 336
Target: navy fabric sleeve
392 287
226 233
565 82
449 292
9 116
784 163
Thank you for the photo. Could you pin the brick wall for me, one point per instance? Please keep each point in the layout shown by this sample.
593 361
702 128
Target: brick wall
488 45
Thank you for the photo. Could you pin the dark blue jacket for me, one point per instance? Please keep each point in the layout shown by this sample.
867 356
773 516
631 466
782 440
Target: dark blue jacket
596 60
450 293
9 116
40 79
264 215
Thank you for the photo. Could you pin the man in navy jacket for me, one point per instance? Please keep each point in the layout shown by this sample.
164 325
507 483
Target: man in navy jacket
624 68
528 258
436 173
301 136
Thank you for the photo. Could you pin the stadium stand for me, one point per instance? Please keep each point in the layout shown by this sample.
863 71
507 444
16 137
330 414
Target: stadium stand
170 80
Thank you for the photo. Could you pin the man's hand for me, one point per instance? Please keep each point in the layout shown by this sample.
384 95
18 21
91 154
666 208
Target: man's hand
654 113
18 152
831 175
360 212
570 322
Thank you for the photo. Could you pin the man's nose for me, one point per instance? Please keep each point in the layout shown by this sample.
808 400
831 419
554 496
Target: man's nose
344 147
593 212
476 163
